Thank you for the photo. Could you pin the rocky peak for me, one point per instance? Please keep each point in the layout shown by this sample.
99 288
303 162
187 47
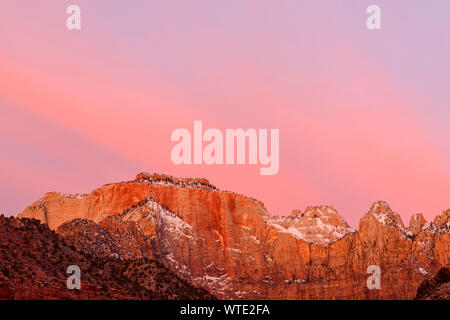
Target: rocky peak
416 223
382 213
443 221
327 214
317 224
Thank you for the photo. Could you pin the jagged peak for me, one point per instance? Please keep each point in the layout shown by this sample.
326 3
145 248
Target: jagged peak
443 220
327 214
380 206
417 218
383 213
315 209
320 225
417 223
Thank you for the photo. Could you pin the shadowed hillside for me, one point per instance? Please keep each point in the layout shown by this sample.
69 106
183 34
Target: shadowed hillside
34 260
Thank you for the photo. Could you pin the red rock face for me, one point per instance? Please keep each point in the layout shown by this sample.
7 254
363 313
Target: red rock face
230 245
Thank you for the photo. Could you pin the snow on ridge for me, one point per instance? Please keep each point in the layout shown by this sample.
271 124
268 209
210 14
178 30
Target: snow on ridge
170 181
423 271
381 217
78 196
321 234
66 195
320 225
161 216
255 239
327 213
169 219
431 227
218 285
187 183
385 216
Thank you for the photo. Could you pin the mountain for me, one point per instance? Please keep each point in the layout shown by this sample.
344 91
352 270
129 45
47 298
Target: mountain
34 260
231 246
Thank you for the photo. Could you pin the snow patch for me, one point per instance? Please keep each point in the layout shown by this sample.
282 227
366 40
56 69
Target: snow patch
423 271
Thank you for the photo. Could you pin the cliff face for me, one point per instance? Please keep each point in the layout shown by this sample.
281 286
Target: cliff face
230 245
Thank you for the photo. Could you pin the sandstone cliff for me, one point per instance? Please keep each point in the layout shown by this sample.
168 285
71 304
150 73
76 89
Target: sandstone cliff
230 245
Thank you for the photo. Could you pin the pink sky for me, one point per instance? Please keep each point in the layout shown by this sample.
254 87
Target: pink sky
363 115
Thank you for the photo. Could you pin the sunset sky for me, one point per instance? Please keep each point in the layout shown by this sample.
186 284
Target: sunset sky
363 115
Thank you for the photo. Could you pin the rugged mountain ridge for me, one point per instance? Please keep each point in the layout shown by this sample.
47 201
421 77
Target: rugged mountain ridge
230 245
